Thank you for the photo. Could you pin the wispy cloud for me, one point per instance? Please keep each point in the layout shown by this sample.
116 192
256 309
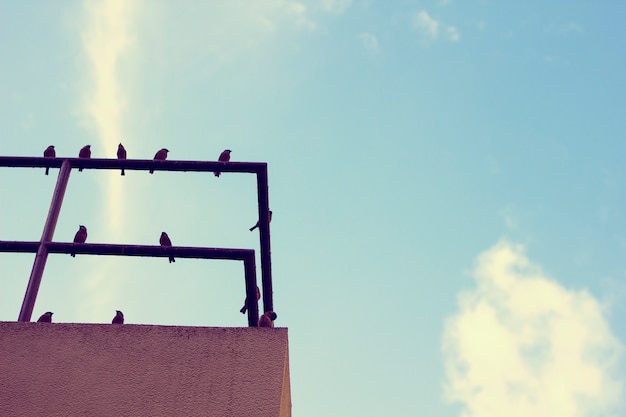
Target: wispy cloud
336 6
105 39
523 345
298 12
370 42
432 29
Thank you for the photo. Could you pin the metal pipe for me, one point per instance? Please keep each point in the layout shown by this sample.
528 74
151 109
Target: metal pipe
133 164
129 250
251 285
42 252
264 237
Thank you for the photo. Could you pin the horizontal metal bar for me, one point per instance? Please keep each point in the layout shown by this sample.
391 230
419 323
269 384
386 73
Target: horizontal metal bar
130 250
134 164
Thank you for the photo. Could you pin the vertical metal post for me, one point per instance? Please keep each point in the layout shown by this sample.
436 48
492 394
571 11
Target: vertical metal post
251 302
46 237
264 237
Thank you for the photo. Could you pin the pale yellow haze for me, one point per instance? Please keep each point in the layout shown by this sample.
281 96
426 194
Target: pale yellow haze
105 40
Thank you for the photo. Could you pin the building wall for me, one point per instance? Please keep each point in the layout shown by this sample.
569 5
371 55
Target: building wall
54 369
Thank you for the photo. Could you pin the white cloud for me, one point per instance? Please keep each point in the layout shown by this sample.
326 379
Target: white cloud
298 12
370 42
432 29
336 6
426 24
523 345
105 38
453 34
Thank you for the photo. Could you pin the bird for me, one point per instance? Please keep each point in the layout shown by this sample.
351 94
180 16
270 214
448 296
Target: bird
257 223
85 152
245 304
165 241
119 318
121 154
267 319
45 317
161 155
80 236
224 157
49 153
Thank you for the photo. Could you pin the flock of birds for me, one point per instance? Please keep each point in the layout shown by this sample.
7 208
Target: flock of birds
161 155
266 320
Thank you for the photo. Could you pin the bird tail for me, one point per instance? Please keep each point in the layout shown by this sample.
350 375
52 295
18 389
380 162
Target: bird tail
254 227
47 169
243 309
217 173
73 255
80 170
152 171
172 259
123 171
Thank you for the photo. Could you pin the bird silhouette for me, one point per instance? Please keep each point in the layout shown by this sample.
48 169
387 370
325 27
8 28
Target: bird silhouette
224 157
45 317
85 153
49 153
257 223
245 303
161 155
164 240
119 318
121 154
267 319
80 237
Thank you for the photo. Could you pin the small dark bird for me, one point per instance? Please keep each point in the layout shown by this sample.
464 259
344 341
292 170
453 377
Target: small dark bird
80 236
267 319
119 318
245 303
85 152
121 154
45 317
224 157
161 155
165 241
257 223
49 153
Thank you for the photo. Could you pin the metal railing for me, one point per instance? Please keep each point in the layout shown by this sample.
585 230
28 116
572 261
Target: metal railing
46 246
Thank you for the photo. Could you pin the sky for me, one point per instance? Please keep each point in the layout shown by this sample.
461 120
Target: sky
447 179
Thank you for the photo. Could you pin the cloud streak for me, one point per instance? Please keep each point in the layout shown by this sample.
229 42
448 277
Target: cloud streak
370 42
105 39
523 345
432 29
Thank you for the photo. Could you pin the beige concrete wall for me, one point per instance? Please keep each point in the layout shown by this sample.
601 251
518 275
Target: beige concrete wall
136 370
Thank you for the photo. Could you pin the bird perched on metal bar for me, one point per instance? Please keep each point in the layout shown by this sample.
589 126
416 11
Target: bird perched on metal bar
267 319
80 236
161 155
257 223
45 317
245 303
165 241
49 153
85 153
121 154
224 157
119 318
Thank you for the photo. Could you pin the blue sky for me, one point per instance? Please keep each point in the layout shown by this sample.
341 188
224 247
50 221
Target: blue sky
447 179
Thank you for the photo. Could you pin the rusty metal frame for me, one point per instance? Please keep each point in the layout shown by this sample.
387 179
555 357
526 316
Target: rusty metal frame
45 245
